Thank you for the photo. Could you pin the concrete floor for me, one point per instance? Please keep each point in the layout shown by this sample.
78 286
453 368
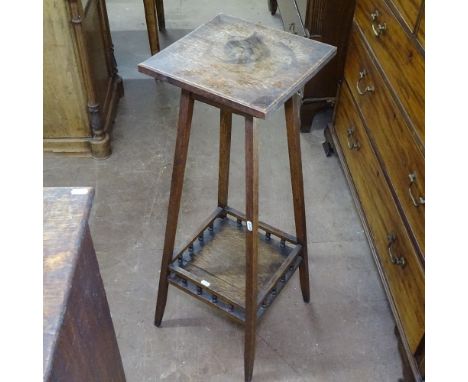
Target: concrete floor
344 334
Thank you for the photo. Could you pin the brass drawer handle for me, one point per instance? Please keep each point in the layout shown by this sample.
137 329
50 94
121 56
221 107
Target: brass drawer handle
418 201
391 238
353 143
380 28
369 88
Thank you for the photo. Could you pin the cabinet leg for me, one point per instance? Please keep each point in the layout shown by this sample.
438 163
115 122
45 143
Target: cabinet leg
178 170
251 242
328 143
308 111
272 6
297 183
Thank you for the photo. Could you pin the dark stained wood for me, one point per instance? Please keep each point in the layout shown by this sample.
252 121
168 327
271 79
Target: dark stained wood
398 152
178 171
224 157
297 184
272 6
263 226
220 260
251 244
327 21
231 64
160 13
275 279
259 67
203 226
398 56
152 25
406 283
79 338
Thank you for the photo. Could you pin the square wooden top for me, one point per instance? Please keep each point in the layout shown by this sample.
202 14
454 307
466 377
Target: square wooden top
247 67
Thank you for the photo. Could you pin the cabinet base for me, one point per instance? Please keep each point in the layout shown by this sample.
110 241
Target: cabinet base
89 146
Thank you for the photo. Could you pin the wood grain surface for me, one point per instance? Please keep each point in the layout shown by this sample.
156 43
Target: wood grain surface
152 25
221 260
180 158
65 219
297 187
398 56
79 342
406 282
65 113
242 65
421 28
408 10
387 127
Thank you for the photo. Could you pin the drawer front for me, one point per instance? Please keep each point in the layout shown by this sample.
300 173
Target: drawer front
398 56
403 162
406 282
291 19
408 10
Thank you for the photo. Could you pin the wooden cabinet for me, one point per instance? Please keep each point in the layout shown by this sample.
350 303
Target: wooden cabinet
328 21
81 84
378 134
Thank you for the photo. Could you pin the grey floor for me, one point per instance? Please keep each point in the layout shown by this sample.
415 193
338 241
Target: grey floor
344 334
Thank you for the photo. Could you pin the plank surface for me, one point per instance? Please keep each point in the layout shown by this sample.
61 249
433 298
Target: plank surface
79 337
65 220
246 66
220 260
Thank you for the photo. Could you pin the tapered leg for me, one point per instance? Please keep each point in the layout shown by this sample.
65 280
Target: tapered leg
251 211
161 17
224 157
178 170
152 25
295 164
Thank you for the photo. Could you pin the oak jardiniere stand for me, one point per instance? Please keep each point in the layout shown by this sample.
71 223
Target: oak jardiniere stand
235 262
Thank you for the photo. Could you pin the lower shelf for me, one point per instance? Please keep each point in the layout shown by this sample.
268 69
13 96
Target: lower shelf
212 266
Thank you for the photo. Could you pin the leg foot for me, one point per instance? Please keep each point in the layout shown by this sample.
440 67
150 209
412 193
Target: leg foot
328 144
327 148
272 6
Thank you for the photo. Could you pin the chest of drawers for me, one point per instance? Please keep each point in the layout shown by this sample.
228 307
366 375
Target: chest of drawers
378 134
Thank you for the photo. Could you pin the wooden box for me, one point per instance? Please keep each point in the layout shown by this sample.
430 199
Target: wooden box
79 339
